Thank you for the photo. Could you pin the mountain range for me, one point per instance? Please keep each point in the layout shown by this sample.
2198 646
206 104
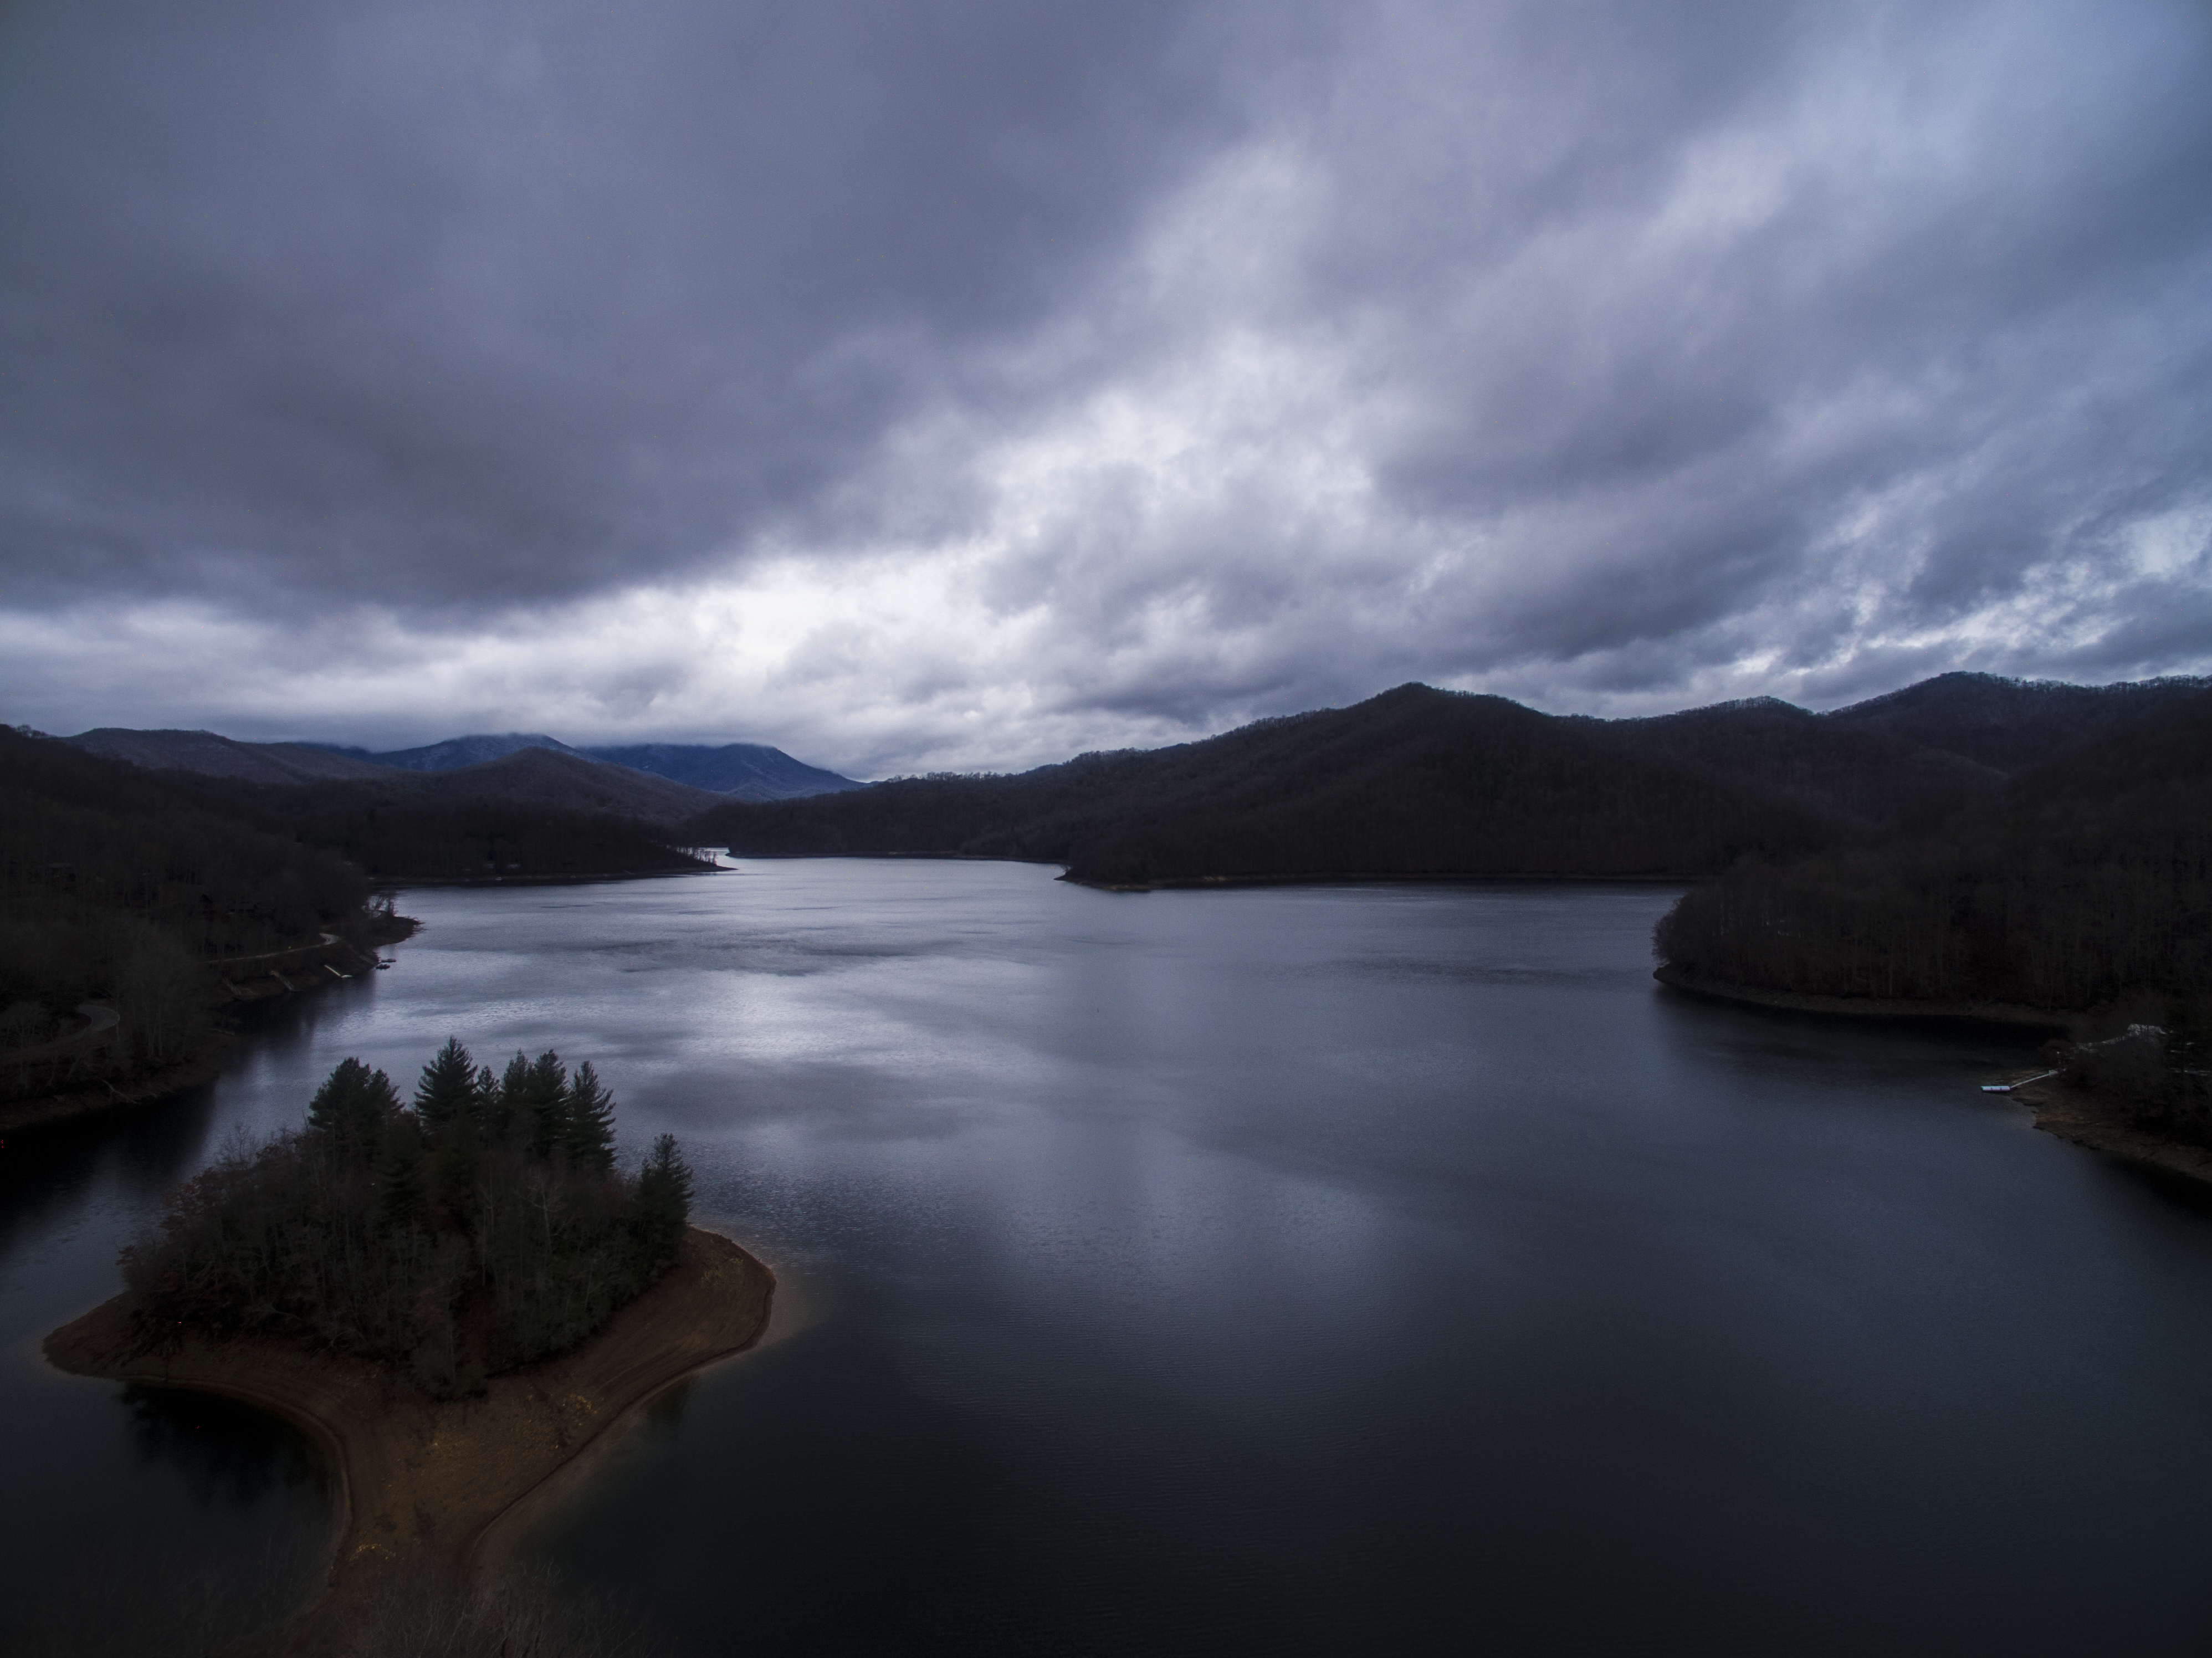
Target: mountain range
1420 781
1416 780
662 783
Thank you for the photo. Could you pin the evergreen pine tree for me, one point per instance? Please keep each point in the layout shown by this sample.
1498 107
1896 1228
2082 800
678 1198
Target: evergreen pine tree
402 1181
663 1203
351 1107
588 1131
459 1163
548 1102
448 1086
512 1110
491 1111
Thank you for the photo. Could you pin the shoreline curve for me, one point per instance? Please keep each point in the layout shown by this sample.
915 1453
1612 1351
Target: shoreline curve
418 1485
2079 1118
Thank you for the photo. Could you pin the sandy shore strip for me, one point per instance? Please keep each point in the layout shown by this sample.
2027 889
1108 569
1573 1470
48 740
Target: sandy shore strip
418 1484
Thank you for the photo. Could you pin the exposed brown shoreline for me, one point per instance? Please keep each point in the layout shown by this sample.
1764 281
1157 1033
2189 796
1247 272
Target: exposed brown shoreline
419 1485
2072 1114
1872 1007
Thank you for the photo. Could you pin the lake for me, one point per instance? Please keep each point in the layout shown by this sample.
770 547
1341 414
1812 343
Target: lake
1305 1270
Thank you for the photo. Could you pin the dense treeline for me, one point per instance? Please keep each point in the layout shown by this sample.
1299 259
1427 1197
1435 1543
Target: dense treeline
467 839
1416 781
1867 776
2087 881
2156 1077
147 890
2010 724
481 1227
113 885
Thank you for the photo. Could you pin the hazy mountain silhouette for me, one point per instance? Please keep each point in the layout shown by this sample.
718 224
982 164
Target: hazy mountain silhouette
749 771
456 752
662 778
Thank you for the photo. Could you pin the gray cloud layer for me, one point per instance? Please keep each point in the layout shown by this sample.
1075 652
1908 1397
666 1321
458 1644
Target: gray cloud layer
970 383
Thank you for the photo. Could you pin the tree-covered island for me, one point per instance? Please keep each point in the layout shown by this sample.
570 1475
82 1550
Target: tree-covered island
454 1296
482 1226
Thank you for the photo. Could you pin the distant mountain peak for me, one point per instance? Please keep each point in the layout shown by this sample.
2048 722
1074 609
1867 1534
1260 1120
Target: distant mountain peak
747 771
470 751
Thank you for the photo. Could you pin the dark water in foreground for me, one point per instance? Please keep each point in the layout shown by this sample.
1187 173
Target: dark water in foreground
1311 1270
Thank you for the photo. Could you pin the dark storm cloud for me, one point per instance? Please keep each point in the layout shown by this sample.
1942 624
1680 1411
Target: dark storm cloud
495 302
976 383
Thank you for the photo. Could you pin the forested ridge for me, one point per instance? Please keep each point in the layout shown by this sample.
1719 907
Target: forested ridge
482 1226
1416 781
113 886
2085 880
1864 777
1419 781
157 894
442 841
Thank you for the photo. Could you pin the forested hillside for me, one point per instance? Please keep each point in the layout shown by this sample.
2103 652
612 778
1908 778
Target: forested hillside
210 755
1416 781
2086 879
160 897
1870 776
1422 781
512 771
2010 724
114 887
458 841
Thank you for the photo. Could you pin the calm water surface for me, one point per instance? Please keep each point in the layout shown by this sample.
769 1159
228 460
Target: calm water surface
1308 1270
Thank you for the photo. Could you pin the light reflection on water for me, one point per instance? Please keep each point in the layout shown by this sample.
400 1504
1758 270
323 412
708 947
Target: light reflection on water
1318 1269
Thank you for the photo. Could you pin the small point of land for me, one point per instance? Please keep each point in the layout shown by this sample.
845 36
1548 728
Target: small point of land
420 1485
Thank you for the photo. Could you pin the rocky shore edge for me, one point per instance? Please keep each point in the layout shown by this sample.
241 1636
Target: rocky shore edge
420 1487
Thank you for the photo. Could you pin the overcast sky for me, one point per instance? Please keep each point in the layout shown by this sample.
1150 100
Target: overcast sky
934 386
